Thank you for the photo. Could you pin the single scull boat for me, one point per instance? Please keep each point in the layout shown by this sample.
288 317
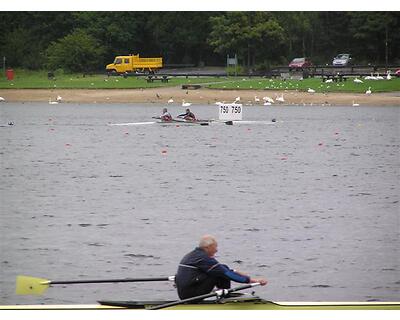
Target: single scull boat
222 299
252 303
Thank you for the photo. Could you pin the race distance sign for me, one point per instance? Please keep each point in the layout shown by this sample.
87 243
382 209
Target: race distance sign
230 111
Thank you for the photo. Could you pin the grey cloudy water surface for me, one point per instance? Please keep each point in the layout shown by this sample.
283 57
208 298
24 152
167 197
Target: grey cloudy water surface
310 202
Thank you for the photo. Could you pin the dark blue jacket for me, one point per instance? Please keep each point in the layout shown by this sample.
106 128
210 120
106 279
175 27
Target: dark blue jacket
197 266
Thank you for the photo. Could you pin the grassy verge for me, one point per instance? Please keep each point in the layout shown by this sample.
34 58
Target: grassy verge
313 83
38 80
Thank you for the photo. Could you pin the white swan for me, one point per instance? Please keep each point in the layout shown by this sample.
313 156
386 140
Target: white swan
186 104
268 99
280 99
388 76
170 101
368 91
2 99
355 104
310 90
371 77
356 80
59 98
256 99
52 102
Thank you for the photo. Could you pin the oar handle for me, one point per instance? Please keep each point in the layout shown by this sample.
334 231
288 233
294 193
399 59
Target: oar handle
170 278
218 293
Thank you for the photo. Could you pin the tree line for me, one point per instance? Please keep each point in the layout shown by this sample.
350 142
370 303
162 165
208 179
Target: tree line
86 41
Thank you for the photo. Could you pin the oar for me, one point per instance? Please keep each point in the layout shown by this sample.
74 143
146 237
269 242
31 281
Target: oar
218 293
31 285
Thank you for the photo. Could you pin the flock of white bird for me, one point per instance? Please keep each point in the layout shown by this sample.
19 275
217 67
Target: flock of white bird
267 100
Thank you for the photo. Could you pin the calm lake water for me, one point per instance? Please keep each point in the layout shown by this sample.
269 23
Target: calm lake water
310 202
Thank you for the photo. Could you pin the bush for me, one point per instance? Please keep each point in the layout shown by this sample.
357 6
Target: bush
76 52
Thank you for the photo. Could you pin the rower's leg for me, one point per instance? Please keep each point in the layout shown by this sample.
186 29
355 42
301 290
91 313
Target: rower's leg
223 283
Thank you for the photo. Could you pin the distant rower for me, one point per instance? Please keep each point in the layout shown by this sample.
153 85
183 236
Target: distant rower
188 115
166 116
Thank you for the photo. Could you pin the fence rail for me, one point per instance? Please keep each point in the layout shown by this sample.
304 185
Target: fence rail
321 70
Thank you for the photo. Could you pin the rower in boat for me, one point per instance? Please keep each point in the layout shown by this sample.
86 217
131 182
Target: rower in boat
166 116
199 272
188 115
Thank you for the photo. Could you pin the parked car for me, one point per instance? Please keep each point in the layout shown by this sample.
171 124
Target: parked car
397 73
299 63
342 60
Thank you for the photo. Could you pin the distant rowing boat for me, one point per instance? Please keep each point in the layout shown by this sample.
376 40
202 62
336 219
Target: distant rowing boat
165 123
185 122
178 122
252 303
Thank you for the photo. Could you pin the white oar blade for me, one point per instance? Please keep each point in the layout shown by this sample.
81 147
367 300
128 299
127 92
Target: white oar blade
31 285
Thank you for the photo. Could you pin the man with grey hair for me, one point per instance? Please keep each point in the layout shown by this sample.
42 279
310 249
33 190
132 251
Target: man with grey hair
199 272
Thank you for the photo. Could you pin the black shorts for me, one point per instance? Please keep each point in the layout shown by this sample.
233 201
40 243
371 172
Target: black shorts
203 287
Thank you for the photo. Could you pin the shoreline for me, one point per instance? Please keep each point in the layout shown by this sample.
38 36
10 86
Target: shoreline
200 96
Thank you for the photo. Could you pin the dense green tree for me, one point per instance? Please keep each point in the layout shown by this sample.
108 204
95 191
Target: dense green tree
375 33
76 52
20 50
250 34
25 36
267 38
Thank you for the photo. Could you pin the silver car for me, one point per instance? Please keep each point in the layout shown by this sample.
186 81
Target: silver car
342 60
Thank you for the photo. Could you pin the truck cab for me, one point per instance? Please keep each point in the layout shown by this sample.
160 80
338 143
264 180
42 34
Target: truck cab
121 64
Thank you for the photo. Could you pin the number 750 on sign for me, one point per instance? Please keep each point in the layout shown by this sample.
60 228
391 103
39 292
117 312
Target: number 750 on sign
231 111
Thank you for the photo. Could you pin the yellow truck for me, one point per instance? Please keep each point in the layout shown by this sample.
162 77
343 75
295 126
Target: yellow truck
134 63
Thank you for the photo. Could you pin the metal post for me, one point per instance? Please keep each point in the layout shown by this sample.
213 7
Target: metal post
235 65
386 45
